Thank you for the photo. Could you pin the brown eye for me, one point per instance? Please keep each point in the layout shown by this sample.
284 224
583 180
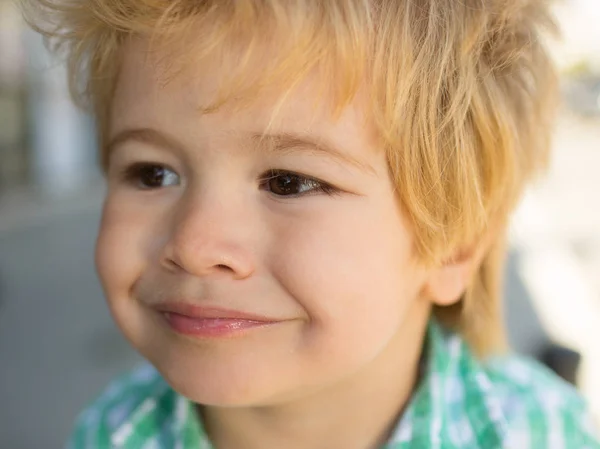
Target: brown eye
285 185
151 176
282 183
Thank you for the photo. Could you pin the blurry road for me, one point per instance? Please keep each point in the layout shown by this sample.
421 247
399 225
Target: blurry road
58 345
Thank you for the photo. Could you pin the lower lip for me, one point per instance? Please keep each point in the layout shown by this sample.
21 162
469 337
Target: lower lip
212 327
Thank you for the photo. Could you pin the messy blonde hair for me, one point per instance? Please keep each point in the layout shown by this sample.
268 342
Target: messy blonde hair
461 93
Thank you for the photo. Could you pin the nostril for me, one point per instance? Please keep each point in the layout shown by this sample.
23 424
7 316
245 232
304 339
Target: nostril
224 267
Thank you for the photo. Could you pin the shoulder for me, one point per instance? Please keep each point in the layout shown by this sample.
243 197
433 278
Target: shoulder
497 402
538 409
133 393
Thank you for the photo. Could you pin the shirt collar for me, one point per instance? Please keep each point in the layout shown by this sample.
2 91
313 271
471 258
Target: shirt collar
454 402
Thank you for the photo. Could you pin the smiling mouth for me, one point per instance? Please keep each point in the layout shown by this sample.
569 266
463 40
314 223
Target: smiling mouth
203 322
212 327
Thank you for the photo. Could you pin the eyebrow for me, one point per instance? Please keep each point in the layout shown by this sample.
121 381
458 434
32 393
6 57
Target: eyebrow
272 143
288 141
144 135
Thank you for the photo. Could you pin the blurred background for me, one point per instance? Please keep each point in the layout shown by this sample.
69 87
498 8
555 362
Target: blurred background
58 346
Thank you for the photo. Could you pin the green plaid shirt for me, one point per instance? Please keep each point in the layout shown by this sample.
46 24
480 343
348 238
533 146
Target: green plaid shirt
508 403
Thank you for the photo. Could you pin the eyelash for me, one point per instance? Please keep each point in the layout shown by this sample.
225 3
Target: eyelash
318 186
134 173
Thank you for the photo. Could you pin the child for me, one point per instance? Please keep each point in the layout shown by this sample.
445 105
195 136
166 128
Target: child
305 220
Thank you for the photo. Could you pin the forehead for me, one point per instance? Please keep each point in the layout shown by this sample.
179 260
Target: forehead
149 94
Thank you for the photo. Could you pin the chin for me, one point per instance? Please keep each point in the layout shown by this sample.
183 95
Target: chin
219 384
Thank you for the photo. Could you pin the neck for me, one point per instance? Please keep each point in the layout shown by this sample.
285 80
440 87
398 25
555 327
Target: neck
357 413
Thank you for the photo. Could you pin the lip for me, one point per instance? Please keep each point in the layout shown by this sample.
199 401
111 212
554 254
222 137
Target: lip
194 311
211 322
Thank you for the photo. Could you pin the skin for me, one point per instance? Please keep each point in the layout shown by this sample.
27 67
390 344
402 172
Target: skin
336 267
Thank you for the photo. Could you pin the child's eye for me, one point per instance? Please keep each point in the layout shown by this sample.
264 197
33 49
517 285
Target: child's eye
150 176
285 183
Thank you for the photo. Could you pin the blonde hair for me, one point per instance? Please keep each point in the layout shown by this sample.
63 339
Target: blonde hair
462 94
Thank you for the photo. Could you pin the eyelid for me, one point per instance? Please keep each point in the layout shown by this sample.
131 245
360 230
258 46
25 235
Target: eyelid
132 152
280 171
273 173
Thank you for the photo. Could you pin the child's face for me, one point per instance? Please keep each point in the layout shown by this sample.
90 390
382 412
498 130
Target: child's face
199 212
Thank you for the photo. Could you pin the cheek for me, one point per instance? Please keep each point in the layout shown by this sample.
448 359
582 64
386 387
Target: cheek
121 245
122 255
350 267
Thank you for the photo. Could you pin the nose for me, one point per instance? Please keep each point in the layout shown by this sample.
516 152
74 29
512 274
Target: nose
209 238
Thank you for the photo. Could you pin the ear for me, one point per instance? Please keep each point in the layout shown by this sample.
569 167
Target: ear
447 282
